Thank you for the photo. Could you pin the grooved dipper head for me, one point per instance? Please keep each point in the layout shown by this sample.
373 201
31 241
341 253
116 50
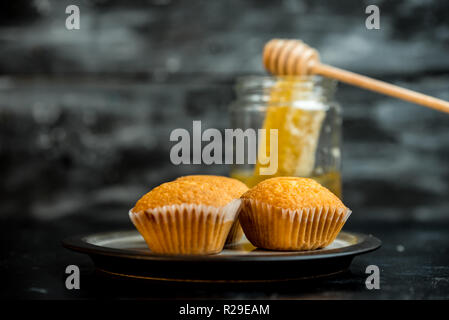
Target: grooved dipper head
289 57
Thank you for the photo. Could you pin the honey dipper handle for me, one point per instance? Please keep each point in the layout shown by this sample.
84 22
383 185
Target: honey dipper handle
380 86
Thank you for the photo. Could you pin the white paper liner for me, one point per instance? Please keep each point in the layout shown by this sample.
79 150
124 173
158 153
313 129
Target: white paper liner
186 228
275 228
235 234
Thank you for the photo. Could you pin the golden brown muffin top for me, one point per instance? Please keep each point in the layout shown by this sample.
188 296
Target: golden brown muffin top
293 193
210 191
233 186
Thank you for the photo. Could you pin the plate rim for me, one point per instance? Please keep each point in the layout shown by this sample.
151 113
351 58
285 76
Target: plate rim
78 243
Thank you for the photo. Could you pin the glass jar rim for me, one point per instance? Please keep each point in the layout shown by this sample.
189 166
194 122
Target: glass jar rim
250 82
266 81
257 88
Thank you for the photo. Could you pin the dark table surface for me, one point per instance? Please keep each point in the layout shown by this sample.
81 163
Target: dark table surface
413 262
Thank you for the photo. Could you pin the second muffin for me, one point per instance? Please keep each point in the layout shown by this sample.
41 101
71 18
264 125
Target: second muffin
289 213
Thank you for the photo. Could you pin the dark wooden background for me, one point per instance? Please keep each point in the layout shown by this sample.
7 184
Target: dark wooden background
85 115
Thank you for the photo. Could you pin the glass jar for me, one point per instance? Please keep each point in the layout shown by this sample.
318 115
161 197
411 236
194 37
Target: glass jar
308 123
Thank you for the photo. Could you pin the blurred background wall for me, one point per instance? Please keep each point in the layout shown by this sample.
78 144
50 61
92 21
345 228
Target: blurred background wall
85 115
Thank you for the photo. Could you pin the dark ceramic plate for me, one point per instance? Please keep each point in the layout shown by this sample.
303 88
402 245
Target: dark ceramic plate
124 253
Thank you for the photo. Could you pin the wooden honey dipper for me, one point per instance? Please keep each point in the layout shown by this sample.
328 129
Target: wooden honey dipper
294 57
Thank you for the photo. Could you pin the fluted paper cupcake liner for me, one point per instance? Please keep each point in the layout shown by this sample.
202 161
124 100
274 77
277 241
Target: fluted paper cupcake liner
274 228
235 234
186 228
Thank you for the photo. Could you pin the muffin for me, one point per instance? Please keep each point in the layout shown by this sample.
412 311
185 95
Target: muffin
185 217
289 213
232 186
